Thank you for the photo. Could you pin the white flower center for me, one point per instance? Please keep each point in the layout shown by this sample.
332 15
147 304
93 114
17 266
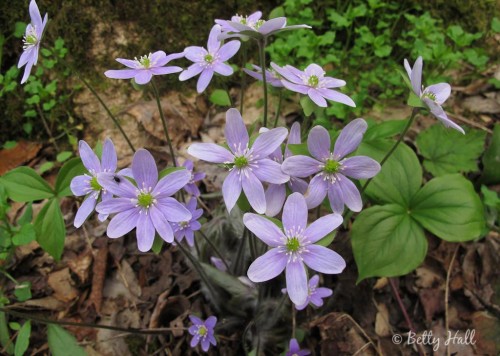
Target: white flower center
30 38
144 61
144 199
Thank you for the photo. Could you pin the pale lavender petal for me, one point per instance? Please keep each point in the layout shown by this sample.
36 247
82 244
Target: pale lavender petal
229 50
272 25
336 198
316 192
275 197
322 259
223 69
173 210
195 340
408 68
264 229
143 76
270 171
211 152
195 53
172 183
109 159
161 225
318 143
173 56
231 189
192 189
416 76
294 346
126 172
323 292
114 205
205 344
145 233
123 223
121 73
85 210
190 237
294 136
128 63
80 185
204 79
317 98
298 185
301 166
27 71
299 88
213 43
290 73
196 321
144 169
210 322
256 75
295 212
330 83
439 113
120 187
360 167
303 305
442 92
239 26
192 71
193 330
217 262
296 281
339 97
313 282
165 70
89 158
267 142
322 227
254 191
350 193
36 18
158 58
267 266
105 196
235 131
25 57
350 138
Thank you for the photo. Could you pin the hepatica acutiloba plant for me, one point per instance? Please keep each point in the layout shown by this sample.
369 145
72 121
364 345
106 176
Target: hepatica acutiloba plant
291 189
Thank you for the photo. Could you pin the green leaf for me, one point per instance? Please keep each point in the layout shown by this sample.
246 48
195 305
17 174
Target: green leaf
226 281
491 159
387 242
448 151
327 240
63 156
299 149
62 343
47 166
4 333
27 216
23 184
400 177
19 29
449 207
414 101
384 129
50 229
277 12
22 291
220 97
495 24
307 105
168 170
157 244
72 168
491 198
24 236
23 339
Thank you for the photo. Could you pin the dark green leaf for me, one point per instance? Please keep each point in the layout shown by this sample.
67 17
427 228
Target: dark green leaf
72 168
62 343
307 105
299 149
491 159
23 339
226 281
50 229
23 184
24 236
384 129
22 291
220 97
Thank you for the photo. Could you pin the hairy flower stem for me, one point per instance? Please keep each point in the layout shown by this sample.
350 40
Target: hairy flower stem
243 76
164 122
237 260
278 108
262 56
393 148
212 245
47 128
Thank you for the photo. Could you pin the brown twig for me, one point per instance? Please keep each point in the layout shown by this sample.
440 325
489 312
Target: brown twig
447 294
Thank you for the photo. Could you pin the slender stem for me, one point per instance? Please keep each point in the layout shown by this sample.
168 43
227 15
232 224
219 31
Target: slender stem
447 295
294 320
239 253
212 245
7 274
278 109
393 148
253 246
163 121
46 126
262 56
243 77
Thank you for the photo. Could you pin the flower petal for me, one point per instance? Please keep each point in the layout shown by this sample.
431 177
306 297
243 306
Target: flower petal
290 73
360 167
298 185
235 131
114 205
27 71
89 158
439 113
416 76
143 76
210 152
316 192
322 227
120 187
213 43
270 171
173 210
336 198
275 197
145 233
172 183
294 136
195 53
165 70
264 229
121 73
229 50
267 266
254 191
223 69
298 88
144 169
231 189
322 259
267 142
296 282
80 185
272 25
123 223
350 193
301 166
318 143
109 159
161 225
85 210
204 79
350 138
316 96
192 71
407 67
295 212
36 18
337 96
210 322
442 92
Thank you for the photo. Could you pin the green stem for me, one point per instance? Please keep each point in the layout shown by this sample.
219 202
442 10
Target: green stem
212 245
243 77
393 148
47 128
239 253
262 56
278 109
163 121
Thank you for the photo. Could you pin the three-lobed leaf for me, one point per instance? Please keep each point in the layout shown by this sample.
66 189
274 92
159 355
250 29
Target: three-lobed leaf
23 184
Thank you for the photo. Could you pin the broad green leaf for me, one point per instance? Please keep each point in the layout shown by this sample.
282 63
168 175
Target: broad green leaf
299 149
24 236
491 159
63 156
50 229
62 343
448 151
387 242
72 168
400 177
23 339
384 129
4 334
277 12
19 29
47 166
27 215
415 101
449 207
490 197
220 97
307 105
23 184
226 281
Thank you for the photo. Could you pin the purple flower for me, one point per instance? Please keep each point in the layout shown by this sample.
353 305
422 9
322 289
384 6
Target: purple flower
253 26
272 77
295 350
433 96
187 228
88 184
209 61
315 295
294 247
191 187
331 168
248 166
31 40
218 263
143 69
276 193
312 82
202 331
148 206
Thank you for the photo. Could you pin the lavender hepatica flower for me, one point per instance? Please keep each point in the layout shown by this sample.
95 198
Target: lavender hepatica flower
294 247
315 295
203 332
88 184
331 169
148 206
250 20
272 77
191 187
276 193
249 166
31 40
433 96
143 69
208 61
187 228
312 82
295 350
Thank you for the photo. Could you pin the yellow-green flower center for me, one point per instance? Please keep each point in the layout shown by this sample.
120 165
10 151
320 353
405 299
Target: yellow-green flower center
31 39
430 95
183 224
259 23
331 166
202 331
293 244
209 58
94 184
241 162
313 80
145 200
145 61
